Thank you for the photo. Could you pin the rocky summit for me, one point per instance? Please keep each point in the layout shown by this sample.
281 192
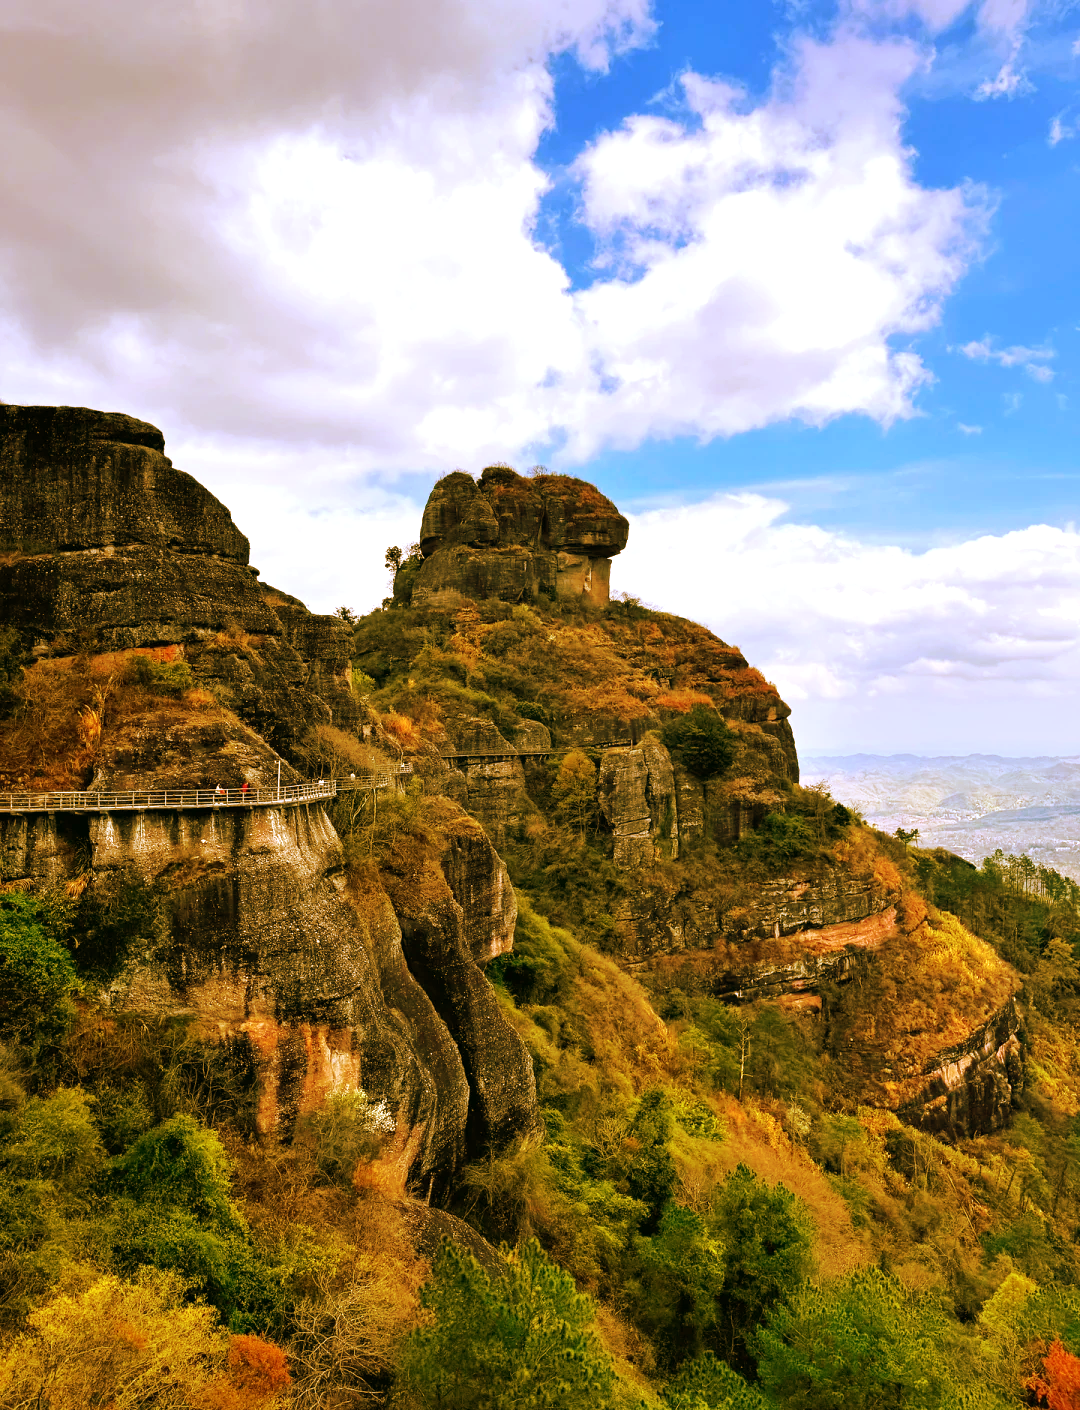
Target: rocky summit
560 947
517 538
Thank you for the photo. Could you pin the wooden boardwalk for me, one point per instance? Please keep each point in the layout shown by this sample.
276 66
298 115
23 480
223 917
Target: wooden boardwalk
179 800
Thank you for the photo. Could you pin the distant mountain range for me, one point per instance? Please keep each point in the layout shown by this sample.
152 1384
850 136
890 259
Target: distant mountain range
971 803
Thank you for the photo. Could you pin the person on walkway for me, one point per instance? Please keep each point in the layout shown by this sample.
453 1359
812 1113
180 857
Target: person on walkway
219 793
243 790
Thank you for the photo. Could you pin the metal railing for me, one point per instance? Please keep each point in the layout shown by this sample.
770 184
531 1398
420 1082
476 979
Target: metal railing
143 800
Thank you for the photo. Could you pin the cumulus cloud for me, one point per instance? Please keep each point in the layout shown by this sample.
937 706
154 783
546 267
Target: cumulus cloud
1060 130
1032 360
871 642
268 223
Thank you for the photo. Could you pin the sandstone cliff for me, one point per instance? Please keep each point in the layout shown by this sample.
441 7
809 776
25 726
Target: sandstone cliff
105 546
313 972
515 538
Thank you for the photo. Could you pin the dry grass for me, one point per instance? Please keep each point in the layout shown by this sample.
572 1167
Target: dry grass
69 708
756 1139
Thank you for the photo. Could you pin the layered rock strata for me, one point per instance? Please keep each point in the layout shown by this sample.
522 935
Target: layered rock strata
971 1088
310 982
105 546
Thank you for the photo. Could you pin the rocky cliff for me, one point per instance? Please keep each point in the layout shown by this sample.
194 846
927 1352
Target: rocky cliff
536 715
311 972
517 539
105 546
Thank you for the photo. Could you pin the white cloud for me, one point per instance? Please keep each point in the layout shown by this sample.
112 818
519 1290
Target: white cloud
874 645
271 225
1060 131
966 430
1032 360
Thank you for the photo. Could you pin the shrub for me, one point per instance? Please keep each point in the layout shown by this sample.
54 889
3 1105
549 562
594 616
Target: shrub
766 1235
706 1381
701 741
163 677
124 1345
56 1140
348 1128
37 973
861 1343
180 1163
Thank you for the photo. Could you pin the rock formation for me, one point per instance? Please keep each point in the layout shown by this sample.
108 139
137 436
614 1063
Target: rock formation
307 976
515 538
105 546
316 976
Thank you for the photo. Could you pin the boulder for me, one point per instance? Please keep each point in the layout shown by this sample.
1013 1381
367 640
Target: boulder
514 538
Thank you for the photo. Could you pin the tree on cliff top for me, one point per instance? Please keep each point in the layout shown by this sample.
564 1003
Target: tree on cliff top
700 741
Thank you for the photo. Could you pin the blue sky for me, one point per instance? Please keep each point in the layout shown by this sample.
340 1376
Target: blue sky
796 284
927 477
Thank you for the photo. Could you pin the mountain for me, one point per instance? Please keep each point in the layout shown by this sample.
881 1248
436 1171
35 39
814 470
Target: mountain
473 999
972 804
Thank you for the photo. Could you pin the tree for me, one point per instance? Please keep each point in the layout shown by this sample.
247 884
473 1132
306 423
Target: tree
113 1343
701 741
574 790
863 1343
907 836
765 1233
704 1381
649 1170
1058 1385
514 1340
37 973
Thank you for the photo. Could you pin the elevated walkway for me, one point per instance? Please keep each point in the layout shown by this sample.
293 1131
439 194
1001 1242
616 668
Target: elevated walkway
175 800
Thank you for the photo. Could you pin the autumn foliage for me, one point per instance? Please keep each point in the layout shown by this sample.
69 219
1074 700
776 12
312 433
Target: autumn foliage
1058 1385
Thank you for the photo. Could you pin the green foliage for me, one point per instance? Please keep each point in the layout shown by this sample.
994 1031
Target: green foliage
862 1343
516 1340
648 1169
162 677
345 1130
766 1235
701 741
705 1381
174 1210
538 969
55 1139
1016 905
780 838
674 1292
37 973
180 1163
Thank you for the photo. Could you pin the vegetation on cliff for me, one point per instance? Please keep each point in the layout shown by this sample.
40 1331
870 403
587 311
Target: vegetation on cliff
598 1064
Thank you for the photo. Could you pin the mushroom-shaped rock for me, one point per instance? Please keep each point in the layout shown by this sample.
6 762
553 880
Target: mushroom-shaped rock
514 538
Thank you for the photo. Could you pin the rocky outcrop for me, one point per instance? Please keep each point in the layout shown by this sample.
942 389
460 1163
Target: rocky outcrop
515 538
794 968
71 479
436 944
637 799
971 1088
312 981
106 547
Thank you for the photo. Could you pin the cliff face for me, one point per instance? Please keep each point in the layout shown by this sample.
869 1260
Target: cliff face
534 712
105 546
306 974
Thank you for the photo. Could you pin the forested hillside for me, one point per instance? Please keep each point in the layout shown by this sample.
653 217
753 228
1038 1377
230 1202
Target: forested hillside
593 1062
